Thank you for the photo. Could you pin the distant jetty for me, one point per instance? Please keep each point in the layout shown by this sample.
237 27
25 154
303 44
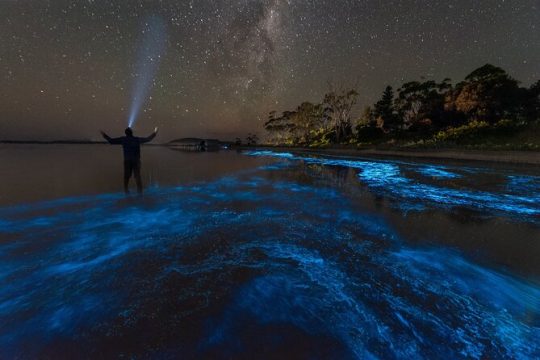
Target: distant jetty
197 144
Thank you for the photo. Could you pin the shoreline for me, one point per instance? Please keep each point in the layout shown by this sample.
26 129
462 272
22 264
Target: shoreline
497 156
519 157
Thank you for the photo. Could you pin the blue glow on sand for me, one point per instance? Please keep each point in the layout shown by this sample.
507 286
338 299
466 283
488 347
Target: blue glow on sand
232 266
148 58
438 172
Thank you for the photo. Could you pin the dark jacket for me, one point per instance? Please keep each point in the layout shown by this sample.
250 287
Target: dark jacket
130 144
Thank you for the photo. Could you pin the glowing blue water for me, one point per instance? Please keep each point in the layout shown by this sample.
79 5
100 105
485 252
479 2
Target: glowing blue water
522 197
259 263
150 53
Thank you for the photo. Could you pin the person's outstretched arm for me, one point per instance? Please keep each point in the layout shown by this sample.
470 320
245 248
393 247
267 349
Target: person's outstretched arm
111 140
149 138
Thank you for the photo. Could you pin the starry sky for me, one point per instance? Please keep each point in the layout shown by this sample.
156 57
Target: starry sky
68 68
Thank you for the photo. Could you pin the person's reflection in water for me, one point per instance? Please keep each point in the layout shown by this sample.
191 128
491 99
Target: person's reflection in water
132 155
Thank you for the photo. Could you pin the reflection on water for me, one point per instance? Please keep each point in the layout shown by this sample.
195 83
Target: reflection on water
32 173
279 255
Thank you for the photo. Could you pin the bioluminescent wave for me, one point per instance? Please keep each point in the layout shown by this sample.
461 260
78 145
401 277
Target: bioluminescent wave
519 198
200 270
151 50
255 260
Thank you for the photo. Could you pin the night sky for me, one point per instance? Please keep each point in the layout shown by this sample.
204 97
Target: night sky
68 68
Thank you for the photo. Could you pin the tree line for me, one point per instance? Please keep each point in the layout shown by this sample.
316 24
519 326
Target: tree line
488 99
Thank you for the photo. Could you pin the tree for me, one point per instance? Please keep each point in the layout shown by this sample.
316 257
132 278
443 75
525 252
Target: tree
385 113
421 104
280 127
307 117
531 102
487 94
367 118
337 108
367 128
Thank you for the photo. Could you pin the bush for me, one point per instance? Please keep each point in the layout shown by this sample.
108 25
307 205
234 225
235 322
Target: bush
464 133
369 133
506 126
321 137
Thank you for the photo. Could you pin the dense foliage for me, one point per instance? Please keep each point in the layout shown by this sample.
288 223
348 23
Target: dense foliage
488 102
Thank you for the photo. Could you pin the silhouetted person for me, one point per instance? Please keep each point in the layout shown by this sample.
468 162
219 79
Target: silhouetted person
132 155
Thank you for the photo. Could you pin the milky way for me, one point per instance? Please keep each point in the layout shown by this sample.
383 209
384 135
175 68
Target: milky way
67 67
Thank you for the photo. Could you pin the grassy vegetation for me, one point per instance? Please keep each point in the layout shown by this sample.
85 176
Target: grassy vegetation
479 135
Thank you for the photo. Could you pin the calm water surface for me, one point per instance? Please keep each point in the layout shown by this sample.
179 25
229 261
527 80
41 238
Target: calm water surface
265 255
